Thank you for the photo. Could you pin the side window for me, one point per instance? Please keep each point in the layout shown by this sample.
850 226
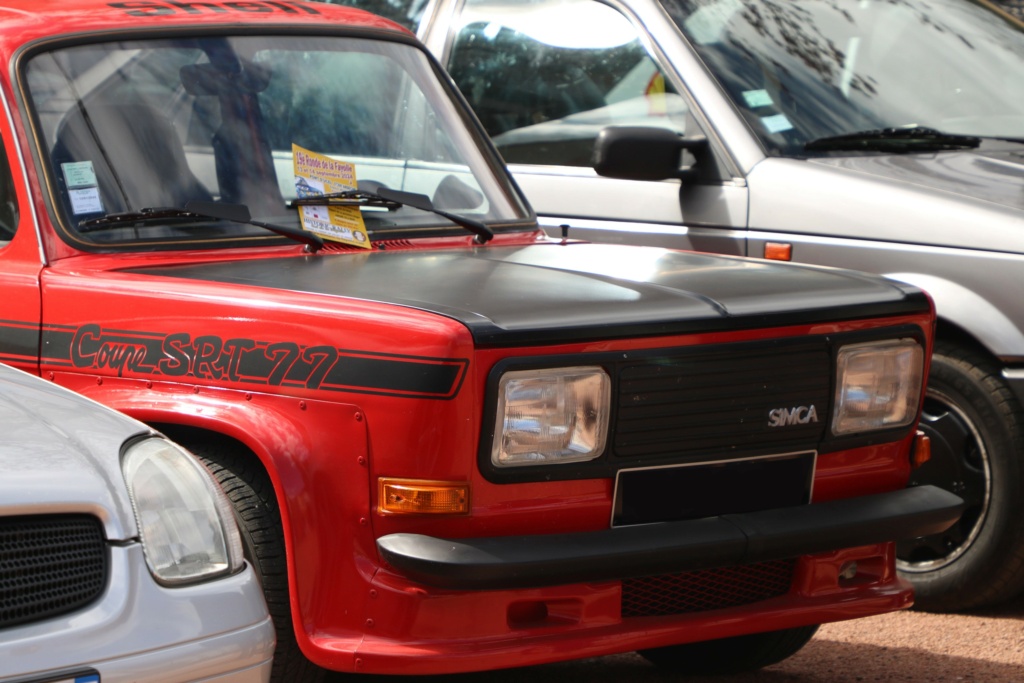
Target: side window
8 201
545 76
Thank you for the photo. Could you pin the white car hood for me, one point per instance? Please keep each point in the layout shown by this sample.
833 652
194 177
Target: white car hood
60 453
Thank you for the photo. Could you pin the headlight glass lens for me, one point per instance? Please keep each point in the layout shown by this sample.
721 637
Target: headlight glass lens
878 385
550 416
185 520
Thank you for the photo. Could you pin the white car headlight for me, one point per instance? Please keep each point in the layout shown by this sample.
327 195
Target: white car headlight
878 385
550 416
185 520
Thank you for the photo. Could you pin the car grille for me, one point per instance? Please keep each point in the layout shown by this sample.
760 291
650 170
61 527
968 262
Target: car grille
698 403
705 590
49 565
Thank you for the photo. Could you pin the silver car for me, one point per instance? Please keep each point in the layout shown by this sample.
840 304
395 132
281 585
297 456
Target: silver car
879 135
119 556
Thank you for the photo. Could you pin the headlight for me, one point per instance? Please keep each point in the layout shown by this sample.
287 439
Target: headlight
185 520
551 416
878 385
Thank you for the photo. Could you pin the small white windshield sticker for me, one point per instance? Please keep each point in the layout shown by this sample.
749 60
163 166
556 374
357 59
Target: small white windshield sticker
757 98
86 200
79 174
777 124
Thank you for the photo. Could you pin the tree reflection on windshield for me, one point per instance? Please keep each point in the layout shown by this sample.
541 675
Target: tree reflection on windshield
806 69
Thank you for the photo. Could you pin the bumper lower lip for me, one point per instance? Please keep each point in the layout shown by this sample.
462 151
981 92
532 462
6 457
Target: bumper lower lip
670 547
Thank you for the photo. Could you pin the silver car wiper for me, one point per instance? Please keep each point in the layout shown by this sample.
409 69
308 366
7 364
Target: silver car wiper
392 199
894 140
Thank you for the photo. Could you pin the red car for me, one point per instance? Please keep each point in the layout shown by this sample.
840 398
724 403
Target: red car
274 231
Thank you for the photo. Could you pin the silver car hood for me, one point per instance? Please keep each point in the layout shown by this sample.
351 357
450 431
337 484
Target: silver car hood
992 173
60 453
963 200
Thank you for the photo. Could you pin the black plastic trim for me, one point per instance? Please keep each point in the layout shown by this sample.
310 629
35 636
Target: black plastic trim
649 549
56 676
487 335
606 465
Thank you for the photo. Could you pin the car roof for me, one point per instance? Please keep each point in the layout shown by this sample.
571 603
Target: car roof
24 21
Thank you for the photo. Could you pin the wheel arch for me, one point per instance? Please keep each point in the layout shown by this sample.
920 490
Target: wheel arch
967 317
315 454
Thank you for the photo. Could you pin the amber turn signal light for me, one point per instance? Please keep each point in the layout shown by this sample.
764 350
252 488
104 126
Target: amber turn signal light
778 251
423 497
921 451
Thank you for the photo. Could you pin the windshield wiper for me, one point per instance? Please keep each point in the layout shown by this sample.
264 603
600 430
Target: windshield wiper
392 199
239 213
908 139
194 211
155 214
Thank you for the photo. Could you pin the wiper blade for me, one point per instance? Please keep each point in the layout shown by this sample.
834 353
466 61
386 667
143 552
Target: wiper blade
161 214
392 199
239 213
196 211
346 198
908 139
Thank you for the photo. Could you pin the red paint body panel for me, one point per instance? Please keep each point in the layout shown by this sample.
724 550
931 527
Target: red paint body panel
268 367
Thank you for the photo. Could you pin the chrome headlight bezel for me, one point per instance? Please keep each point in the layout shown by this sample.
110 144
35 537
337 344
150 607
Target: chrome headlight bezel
564 414
186 523
879 386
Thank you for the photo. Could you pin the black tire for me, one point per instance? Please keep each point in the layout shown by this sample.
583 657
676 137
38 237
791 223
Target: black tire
251 493
731 655
977 434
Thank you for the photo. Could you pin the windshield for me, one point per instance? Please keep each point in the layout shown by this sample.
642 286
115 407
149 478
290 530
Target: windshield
803 70
137 125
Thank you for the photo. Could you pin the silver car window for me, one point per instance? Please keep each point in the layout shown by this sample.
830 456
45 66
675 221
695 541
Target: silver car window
545 76
802 70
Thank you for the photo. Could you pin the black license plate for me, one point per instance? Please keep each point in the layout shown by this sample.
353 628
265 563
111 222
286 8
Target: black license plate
676 492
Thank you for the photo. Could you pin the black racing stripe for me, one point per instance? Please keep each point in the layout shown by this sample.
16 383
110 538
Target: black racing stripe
387 375
19 341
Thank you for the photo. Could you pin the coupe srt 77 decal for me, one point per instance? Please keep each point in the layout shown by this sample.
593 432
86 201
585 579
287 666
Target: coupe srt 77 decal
241 360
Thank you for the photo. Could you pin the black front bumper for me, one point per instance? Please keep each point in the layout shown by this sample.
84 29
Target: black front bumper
670 547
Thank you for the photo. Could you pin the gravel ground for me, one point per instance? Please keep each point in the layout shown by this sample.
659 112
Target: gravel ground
902 647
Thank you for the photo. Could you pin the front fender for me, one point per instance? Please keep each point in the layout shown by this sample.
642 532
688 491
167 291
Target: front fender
317 456
970 311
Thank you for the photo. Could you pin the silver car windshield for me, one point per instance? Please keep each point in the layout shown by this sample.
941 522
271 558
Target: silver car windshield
132 126
809 70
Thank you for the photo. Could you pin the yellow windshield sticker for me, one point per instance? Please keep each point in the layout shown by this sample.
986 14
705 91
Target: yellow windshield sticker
319 174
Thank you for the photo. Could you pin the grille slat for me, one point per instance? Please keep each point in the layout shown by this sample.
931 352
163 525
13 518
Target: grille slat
697 402
49 565
705 590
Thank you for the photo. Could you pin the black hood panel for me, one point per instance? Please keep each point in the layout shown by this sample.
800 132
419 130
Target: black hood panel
553 293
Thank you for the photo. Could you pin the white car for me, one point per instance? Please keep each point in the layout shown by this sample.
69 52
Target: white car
120 559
